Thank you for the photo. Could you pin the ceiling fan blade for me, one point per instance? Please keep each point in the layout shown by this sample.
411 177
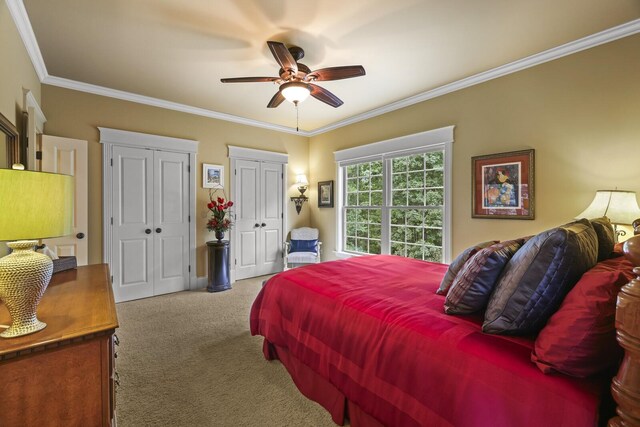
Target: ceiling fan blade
336 73
283 56
276 100
249 79
325 96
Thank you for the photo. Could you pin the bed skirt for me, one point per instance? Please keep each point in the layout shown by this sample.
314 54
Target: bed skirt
321 391
318 389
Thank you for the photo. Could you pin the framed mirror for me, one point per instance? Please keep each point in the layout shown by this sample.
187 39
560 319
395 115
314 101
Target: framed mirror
9 143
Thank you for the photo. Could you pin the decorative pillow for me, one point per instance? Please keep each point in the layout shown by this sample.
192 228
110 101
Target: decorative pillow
606 237
472 286
304 246
580 338
537 278
458 263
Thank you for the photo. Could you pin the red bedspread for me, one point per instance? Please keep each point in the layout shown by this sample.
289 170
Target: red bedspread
374 328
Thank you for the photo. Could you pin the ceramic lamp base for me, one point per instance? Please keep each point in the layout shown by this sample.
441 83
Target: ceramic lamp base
24 276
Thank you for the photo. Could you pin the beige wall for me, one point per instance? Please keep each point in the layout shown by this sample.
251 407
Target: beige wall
77 115
16 73
580 113
16 70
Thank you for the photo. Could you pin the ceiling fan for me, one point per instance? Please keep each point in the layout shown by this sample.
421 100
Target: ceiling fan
297 80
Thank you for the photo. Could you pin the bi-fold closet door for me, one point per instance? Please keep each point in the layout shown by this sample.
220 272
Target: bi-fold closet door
259 218
150 222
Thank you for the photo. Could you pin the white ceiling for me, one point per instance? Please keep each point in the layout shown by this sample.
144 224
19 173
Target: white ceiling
177 50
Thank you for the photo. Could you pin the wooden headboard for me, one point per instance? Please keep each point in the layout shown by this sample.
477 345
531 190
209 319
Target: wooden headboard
626 385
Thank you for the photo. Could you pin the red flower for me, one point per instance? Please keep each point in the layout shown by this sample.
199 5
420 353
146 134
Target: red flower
219 208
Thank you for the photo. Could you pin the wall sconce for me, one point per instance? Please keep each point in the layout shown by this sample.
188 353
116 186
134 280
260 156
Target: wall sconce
620 206
303 184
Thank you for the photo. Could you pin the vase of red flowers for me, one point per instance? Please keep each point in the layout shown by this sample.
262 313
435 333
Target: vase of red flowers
219 223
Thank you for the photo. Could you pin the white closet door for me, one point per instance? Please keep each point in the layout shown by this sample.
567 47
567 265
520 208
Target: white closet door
133 237
270 253
171 222
69 157
247 219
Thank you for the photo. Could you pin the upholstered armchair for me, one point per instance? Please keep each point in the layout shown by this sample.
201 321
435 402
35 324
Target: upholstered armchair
303 248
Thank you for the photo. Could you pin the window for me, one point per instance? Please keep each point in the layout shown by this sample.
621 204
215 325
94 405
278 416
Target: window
395 202
363 207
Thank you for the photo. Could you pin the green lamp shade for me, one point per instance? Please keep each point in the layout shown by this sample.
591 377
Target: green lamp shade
35 205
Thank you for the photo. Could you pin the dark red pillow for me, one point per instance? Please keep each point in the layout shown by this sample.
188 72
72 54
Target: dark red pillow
580 338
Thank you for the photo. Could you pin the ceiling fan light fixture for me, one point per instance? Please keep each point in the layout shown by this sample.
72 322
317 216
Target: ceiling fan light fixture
295 92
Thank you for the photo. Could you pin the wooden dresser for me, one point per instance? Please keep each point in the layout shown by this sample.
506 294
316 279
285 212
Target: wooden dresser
63 375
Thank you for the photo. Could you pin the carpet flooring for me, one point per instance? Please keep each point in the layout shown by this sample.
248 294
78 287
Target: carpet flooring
188 359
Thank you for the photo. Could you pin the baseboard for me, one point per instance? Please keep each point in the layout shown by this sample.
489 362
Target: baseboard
201 282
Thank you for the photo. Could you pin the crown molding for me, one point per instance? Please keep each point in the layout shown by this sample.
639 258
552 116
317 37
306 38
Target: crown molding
161 103
21 19
609 35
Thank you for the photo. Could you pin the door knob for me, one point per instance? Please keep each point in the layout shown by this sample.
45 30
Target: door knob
256 225
80 235
148 231
263 224
158 230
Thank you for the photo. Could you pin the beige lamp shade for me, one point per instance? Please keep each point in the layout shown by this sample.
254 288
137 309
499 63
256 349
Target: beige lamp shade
35 205
620 206
301 180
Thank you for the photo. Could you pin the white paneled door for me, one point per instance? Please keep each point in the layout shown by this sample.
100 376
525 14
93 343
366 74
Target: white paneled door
258 218
171 222
150 241
69 156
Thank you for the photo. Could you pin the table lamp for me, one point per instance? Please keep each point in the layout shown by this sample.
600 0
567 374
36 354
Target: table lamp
33 205
620 206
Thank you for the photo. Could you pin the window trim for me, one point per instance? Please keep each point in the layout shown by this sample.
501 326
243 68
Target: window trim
441 138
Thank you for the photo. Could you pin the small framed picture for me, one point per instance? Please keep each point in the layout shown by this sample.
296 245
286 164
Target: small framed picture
325 194
212 176
502 185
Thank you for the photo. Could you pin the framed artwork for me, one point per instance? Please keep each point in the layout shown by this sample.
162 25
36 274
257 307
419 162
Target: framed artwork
503 185
212 176
325 194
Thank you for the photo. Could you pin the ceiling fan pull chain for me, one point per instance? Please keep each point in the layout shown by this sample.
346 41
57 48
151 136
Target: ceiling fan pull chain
297 116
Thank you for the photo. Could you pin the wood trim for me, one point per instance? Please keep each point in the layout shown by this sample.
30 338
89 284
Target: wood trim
39 118
625 387
257 155
403 143
146 140
13 140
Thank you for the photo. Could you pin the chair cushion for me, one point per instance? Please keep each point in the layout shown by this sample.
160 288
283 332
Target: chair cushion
580 338
537 278
458 263
606 237
304 246
302 258
472 286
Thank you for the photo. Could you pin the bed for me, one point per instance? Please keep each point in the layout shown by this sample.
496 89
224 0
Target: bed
368 339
